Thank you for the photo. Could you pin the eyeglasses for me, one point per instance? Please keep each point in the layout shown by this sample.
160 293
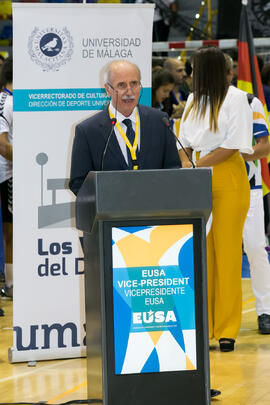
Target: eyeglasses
123 86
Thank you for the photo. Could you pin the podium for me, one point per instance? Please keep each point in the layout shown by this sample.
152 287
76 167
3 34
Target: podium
145 285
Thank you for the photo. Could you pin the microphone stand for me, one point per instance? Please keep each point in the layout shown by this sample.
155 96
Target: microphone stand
166 122
113 122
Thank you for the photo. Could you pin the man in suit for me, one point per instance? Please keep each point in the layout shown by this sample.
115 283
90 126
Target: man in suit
139 139
155 145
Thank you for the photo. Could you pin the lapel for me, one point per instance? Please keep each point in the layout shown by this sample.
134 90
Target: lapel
146 135
113 145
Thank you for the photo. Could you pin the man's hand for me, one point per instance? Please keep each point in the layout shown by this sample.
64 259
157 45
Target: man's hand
186 164
184 160
261 149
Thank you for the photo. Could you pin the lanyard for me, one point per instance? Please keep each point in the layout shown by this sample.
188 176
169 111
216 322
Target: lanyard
7 91
132 148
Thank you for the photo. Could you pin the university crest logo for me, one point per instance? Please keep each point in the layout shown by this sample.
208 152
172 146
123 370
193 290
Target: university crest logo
50 47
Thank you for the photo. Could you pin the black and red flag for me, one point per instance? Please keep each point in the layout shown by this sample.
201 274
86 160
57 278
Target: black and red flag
249 78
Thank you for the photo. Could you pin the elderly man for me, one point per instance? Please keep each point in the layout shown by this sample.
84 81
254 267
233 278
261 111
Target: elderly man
152 146
125 136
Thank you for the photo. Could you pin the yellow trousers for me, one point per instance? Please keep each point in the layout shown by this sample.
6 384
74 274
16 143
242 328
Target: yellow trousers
231 194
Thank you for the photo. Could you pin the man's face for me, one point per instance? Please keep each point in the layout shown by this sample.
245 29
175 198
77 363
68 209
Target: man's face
230 77
124 87
178 71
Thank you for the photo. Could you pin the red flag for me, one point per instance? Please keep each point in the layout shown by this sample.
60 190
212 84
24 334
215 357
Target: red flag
249 78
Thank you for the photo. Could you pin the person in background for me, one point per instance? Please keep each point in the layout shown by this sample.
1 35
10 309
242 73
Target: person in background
266 84
161 25
186 86
162 85
157 62
6 137
2 255
217 126
2 59
177 97
233 53
265 75
260 62
253 233
162 14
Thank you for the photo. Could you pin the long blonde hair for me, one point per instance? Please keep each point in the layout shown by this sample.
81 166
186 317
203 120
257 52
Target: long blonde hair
210 84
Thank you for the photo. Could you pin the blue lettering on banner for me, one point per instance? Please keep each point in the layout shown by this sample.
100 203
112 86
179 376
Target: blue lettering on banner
70 327
55 248
67 99
57 259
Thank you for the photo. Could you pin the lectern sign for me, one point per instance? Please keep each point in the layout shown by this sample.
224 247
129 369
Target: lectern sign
153 299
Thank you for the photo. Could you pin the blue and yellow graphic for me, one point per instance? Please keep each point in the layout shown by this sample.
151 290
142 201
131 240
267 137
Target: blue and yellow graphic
153 294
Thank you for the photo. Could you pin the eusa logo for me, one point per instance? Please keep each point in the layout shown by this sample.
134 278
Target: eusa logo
50 47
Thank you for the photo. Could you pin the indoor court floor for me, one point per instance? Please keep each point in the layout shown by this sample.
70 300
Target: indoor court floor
243 376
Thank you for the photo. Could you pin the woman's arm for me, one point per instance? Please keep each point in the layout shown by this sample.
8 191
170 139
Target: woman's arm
184 160
215 157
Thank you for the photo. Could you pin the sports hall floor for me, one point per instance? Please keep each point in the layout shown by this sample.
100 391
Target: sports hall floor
243 376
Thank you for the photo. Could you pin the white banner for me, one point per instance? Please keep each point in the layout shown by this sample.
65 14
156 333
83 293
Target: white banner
59 54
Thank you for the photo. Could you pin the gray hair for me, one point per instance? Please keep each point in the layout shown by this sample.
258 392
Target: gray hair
108 69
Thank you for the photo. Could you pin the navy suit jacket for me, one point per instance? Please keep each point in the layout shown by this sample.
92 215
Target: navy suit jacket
157 146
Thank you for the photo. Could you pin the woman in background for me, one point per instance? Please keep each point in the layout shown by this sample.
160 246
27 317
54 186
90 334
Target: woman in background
162 85
216 127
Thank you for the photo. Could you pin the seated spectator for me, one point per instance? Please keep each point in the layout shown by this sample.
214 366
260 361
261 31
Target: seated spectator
157 62
162 85
177 96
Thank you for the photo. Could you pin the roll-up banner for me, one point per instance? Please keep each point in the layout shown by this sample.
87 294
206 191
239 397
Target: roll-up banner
60 52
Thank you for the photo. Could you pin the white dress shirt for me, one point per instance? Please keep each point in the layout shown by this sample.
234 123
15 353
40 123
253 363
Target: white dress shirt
235 126
120 118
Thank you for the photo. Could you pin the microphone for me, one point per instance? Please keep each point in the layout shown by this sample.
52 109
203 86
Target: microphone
166 122
113 122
